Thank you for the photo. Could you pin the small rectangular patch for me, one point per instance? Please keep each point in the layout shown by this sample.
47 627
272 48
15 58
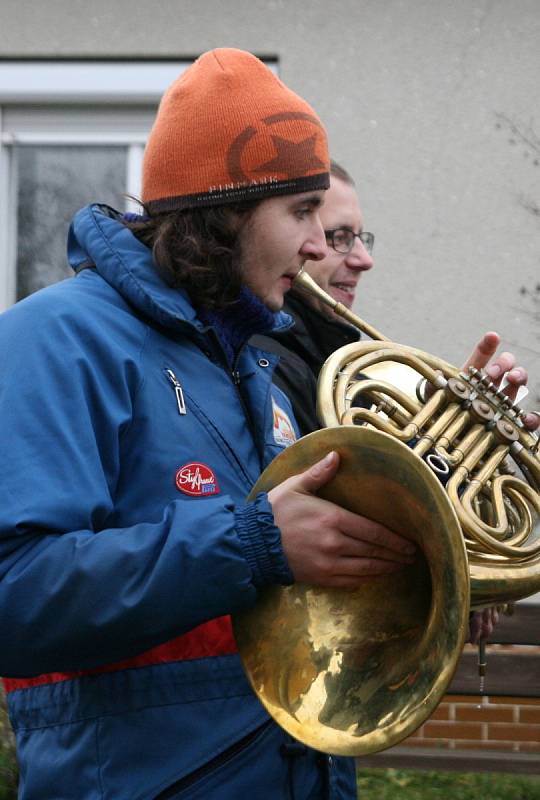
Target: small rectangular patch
284 433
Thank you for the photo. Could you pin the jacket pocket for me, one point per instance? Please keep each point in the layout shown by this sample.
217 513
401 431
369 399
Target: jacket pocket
213 766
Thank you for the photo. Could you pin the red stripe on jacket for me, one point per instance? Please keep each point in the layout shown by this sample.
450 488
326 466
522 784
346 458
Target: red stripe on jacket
214 638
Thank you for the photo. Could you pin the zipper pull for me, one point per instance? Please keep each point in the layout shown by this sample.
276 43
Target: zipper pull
180 402
236 377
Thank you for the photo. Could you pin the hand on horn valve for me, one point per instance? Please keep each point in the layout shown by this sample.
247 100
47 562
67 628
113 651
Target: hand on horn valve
326 545
499 368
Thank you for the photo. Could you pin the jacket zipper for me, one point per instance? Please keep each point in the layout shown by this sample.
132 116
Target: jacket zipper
234 372
213 764
235 375
180 401
182 410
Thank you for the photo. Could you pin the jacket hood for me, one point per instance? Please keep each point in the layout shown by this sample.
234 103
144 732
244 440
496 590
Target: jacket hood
97 237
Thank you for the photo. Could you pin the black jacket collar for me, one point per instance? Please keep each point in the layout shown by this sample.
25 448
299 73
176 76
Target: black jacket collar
315 335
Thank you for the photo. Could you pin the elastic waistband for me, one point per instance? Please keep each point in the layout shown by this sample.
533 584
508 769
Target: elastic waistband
178 682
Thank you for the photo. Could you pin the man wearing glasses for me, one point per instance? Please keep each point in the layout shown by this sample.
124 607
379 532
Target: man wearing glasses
318 331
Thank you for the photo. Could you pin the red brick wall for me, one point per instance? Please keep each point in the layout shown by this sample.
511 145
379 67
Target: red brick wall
469 721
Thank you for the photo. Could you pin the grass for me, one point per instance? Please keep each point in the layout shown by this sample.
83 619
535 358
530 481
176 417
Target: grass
394 784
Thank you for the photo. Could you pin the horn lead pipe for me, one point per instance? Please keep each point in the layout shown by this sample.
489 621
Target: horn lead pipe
305 283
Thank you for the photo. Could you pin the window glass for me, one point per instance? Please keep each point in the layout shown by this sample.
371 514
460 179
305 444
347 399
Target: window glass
53 183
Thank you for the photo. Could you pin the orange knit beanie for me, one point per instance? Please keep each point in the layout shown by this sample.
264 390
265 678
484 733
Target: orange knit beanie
228 129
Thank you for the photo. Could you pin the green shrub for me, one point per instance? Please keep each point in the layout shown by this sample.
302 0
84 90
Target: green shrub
8 764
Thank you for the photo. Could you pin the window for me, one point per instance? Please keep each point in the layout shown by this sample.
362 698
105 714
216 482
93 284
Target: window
71 133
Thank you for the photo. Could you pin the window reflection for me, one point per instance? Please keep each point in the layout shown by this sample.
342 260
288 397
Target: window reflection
53 183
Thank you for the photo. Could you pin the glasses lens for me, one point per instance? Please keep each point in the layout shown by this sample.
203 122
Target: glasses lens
343 240
367 240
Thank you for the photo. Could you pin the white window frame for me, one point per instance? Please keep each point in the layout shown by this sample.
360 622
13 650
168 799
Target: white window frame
50 103
39 97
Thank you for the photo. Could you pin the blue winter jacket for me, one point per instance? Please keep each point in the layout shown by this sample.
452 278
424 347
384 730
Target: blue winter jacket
128 449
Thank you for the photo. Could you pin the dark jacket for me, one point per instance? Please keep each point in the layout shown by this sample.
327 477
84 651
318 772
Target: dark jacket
303 350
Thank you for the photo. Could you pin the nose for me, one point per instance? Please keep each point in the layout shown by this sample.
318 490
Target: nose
314 247
358 259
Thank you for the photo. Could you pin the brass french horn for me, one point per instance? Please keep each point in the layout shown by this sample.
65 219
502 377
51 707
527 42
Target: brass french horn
355 672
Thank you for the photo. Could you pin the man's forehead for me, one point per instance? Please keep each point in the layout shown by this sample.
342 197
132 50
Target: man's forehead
342 201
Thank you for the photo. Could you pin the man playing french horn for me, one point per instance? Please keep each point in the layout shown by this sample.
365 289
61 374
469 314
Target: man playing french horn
136 422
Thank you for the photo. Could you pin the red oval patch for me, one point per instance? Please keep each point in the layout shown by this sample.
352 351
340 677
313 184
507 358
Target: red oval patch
196 479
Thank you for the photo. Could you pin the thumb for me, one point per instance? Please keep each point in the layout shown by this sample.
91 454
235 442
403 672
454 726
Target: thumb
319 474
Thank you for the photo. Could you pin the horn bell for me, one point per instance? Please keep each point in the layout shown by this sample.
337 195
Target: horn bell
354 672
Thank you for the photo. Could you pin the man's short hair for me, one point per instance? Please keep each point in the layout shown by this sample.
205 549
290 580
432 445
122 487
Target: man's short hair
340 172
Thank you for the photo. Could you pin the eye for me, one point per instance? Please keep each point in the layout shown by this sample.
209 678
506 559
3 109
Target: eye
306 207
342 237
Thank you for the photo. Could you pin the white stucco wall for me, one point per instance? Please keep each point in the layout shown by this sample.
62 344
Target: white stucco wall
410 93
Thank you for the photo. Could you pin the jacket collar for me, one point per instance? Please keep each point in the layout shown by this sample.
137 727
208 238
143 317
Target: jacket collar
98 235
315 335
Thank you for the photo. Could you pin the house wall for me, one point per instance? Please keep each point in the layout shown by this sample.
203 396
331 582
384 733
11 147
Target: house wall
433 106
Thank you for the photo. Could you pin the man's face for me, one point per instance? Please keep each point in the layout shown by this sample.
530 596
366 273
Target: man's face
338 274
277 239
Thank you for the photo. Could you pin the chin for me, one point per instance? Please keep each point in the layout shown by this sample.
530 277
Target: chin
345 301
273 303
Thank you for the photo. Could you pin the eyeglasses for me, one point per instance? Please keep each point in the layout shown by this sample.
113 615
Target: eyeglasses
342 239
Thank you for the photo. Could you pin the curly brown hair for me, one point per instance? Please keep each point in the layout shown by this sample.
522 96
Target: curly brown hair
197 249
